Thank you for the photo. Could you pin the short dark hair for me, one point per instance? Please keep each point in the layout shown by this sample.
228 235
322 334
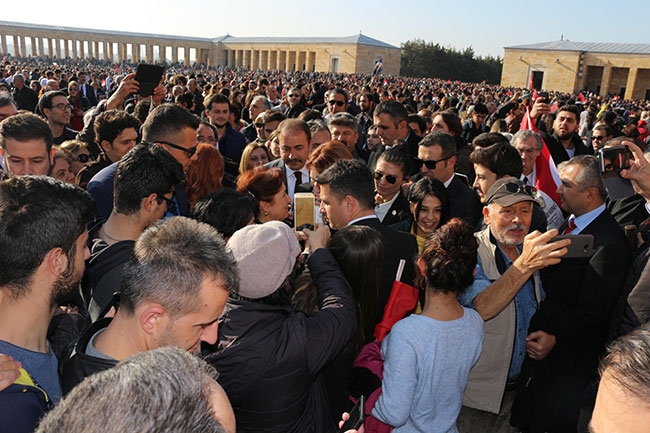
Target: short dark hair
398 157
110 124
45 101
442 139
144 170
226 210
38 214
450 254
170 260
25 127
179 400
216 98
168 120
6 100
416 118
487 139
350 177
480 109
571 108
501 159
394 109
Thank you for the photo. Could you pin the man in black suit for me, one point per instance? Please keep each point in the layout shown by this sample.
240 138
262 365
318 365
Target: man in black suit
568 333
295 139
86 89
437 158
390 174
391 120
294 98
347 197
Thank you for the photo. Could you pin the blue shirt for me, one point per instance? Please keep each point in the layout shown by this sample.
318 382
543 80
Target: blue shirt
525 307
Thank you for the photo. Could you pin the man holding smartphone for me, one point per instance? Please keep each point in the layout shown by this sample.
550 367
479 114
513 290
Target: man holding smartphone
569 331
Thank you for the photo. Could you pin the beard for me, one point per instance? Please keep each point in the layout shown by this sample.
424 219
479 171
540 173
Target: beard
505 237
66 286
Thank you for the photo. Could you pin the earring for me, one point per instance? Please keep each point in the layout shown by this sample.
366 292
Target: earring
266 214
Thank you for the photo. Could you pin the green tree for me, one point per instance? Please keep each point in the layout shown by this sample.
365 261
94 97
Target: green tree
426 59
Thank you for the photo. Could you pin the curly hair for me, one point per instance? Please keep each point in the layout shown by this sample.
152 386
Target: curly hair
450 254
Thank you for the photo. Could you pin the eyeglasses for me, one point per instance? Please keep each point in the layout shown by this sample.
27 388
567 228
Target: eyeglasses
63 106
513 188
259 125
190 151
294 96
335 102
171 204
429 163
74 88
83 158
598 137
390 178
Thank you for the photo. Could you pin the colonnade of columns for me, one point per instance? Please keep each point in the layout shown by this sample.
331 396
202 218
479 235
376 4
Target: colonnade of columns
271 59
79 46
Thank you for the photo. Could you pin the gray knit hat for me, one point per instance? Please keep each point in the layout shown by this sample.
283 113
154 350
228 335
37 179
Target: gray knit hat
265 255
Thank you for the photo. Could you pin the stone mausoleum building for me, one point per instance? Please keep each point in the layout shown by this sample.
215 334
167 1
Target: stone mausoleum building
566 66
352 54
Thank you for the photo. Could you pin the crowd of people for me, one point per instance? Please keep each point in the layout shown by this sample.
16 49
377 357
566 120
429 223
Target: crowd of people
432 279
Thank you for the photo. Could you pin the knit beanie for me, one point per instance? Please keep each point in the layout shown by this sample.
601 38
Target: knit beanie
265 255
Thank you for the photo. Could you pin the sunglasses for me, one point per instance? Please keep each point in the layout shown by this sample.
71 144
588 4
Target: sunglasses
83 158
390 178
598 137
259 125
171 205
294 96
334 102
513 188
429 163
190 151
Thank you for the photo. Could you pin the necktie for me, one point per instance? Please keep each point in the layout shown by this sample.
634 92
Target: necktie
571 225
298 175
526 180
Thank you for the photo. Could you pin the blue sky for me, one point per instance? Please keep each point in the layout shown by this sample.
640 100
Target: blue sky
487 26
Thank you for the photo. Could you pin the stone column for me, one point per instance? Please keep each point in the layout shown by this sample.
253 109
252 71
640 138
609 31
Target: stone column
247 59
631 82
282 60
54 48
82 49
174 54
606 80
123 52
33 46
149 53
18 46
38 46
162 50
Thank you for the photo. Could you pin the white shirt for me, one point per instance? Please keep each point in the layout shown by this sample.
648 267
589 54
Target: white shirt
291 180
584 220
381 210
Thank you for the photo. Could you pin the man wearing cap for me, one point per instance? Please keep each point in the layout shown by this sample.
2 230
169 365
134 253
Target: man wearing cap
506 292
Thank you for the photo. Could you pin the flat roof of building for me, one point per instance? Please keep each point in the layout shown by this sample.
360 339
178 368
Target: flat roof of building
359 39
593 47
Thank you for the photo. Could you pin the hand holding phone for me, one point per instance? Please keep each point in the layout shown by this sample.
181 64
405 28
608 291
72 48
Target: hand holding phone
357 416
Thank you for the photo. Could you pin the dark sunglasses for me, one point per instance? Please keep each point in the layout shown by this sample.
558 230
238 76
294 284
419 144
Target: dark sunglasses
83 158
334 102
390 178
598 138
171 205
259 125
513 188
294 96
429 163
190 151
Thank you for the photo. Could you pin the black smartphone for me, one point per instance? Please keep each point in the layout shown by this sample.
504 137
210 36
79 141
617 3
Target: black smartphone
148 76
357 416
543 96
581 246
614 159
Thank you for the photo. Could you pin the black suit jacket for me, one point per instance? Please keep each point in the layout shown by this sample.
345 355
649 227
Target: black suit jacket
89 93
279 163
399 211
581 294
464 202
397 245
